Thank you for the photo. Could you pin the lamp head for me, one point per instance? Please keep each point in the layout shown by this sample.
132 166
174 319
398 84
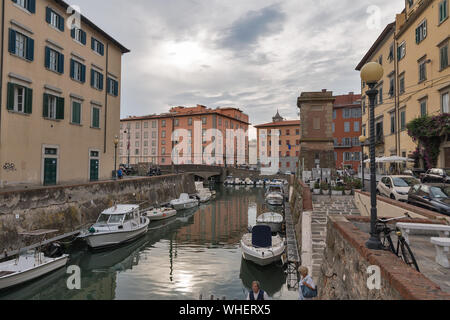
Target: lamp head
362 139
372 72
116 140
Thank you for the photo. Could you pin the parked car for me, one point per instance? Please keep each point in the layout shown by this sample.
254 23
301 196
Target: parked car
154 172
435 197
396 187
436 176
128 170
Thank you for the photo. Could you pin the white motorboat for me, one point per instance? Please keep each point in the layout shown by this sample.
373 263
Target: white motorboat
229 181
184 202
261 247
115 226
272 219
238 182
161 214
249 182
260 183
32 265
204 195
275 195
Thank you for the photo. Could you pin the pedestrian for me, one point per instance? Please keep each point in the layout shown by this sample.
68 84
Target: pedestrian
120 173
256 293
307 288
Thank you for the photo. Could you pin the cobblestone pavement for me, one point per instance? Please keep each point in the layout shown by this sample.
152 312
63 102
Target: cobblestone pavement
323 206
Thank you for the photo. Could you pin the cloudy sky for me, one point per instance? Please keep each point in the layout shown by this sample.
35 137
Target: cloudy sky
258 55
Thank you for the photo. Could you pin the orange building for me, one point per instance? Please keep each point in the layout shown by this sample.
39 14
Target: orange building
148 139
289 142
346 131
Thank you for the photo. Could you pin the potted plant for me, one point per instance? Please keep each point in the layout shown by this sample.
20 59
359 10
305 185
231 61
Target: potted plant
348 189
325 188
337 191
357 184
316 188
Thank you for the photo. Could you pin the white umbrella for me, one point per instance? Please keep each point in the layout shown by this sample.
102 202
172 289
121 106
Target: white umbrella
397 159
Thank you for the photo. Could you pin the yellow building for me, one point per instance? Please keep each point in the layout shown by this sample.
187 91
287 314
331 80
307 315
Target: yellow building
60 97
414 54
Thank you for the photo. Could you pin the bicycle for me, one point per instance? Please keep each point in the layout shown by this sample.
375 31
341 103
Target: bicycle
403 249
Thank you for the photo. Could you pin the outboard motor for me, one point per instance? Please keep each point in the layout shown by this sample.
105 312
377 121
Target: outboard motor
54 250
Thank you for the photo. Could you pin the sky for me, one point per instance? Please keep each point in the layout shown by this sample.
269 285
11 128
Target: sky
256 55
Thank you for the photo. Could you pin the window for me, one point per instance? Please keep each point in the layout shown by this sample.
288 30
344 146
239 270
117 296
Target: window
54 19
163 123
95 117
176 122
146 126
54 60
402 120
391 53
163 134
347 113
445 102
96 80
443 10
347 127
401 51
380 60
316 123
138 135
334 114
153 124
421 32
391 86
204 120
422 71
402 83
136 144
78 35
19 98
356 127
112 87
190 122
356 142
423 107
364 105
29 5
380 94
138 126
76 112
53 107
163 150
393 122
21 45
77 71
443 55
333 127
97 46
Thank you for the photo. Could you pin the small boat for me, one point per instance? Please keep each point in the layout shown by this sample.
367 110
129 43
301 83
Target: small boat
115 226
184 202
261 247
204 195
275 195
237 182
33 264
249 182
272 219
161 214
229 181
260 183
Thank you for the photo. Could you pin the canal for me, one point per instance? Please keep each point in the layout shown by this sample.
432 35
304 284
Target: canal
196 252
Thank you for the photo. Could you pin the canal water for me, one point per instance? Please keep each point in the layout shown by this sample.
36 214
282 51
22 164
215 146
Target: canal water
196 252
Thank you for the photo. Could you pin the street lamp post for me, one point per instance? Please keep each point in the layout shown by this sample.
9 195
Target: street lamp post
116 142
371 74
363 140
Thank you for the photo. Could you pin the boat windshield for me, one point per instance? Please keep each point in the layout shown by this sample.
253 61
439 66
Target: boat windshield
116 218
103 218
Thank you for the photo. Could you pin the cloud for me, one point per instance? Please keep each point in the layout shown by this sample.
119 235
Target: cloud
252 26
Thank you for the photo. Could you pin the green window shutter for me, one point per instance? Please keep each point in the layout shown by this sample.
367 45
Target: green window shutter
96 118
12 41
45 106
30 49
76 113
10 98
28 100
60 108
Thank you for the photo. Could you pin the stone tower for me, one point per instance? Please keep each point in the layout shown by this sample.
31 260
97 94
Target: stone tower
277 117
316 134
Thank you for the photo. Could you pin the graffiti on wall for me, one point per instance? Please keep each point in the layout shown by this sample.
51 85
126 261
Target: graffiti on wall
9 166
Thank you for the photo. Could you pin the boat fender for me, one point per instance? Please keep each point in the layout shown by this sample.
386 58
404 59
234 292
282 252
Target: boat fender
92 230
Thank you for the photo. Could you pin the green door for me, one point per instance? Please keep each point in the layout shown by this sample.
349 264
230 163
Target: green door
94 170
50 170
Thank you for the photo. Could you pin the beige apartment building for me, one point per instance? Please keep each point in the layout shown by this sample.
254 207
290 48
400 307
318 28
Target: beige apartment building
60 96
148 139
413 51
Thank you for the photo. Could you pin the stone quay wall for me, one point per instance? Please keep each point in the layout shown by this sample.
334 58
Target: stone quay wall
344 276
69 208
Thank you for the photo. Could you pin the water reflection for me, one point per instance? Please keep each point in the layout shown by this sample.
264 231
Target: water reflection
196 252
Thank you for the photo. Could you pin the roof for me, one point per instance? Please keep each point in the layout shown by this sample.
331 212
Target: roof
121 209
389 28
280 124
348 100
95 27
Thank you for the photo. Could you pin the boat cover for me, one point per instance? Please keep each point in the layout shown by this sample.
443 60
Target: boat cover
261 236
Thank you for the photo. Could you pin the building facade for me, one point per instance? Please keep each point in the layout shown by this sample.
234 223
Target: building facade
289 142
346 131
414 54
60 96
148 139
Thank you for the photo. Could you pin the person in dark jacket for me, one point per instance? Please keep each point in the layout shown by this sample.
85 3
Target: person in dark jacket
257 293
